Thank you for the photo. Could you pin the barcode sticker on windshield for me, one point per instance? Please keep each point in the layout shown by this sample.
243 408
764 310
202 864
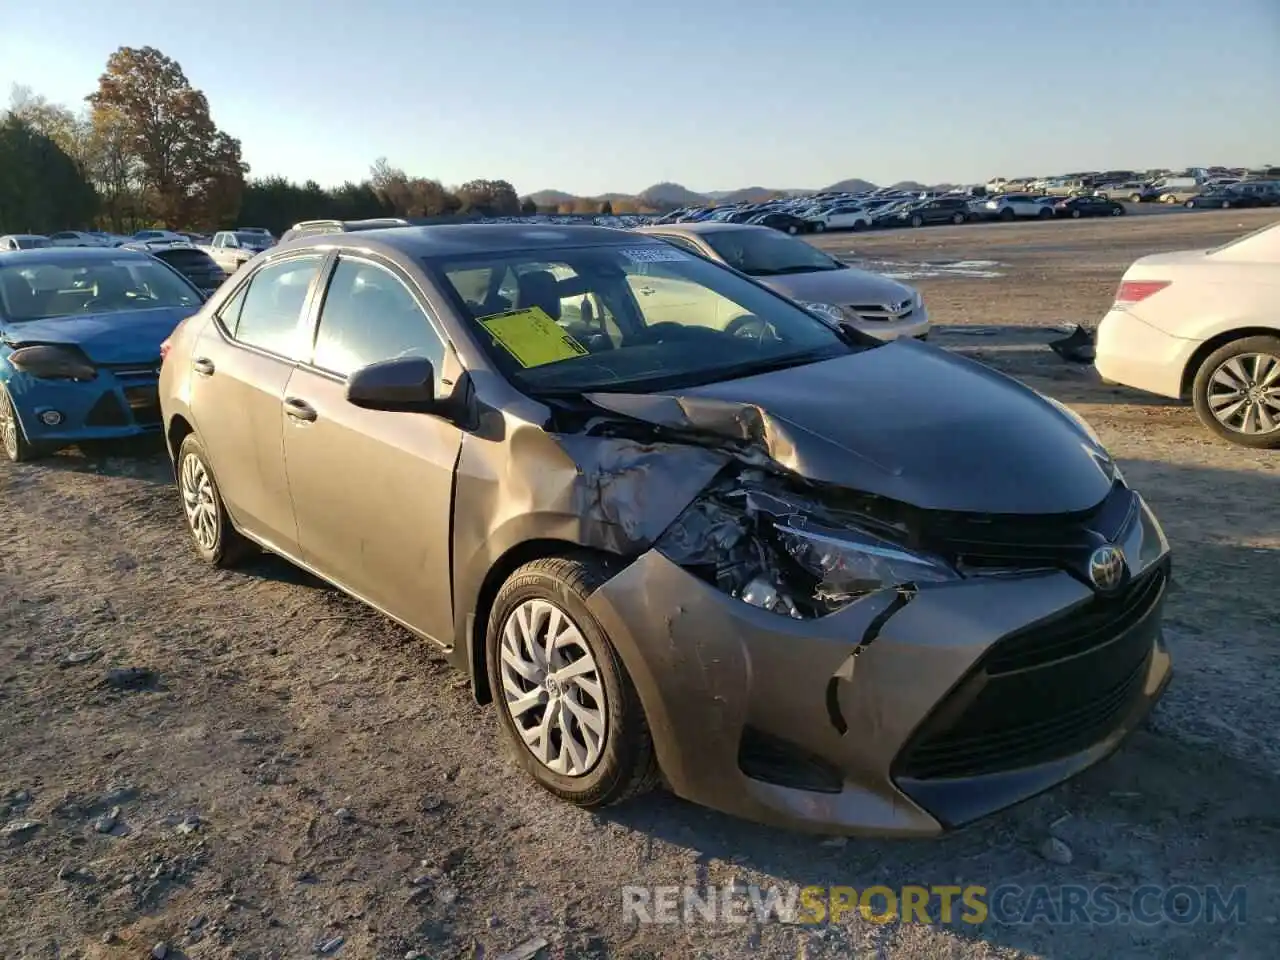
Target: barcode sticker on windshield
658 253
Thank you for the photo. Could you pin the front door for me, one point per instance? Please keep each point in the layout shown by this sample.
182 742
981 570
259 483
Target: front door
242 363
373 491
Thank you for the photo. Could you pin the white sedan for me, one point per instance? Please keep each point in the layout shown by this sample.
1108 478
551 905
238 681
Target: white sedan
1204 324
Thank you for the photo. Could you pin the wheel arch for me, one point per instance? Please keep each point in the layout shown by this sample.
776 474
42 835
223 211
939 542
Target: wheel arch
1215 342
177 430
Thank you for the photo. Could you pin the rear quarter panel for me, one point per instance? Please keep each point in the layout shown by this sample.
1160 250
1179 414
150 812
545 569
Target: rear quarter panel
1210 298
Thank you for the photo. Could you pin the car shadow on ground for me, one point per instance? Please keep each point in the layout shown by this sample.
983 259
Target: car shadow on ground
139 458
1023 352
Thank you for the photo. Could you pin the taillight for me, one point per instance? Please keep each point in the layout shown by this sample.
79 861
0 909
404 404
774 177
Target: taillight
1135 291
164 349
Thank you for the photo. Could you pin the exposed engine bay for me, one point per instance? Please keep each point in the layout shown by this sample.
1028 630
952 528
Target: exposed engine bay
761 539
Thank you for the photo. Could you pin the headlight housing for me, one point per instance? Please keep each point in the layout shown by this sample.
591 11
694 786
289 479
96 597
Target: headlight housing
850 563
50 362
829 312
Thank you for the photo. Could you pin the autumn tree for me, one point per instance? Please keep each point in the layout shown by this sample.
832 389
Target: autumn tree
194 171
491 198
606 209
411 196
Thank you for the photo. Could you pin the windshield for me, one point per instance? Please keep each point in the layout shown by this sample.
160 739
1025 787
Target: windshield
67 288
618 318
767 253
248 238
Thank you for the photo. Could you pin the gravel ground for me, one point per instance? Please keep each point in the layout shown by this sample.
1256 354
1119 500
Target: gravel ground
286 774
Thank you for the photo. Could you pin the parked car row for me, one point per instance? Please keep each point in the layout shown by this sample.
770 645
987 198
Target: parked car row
563 425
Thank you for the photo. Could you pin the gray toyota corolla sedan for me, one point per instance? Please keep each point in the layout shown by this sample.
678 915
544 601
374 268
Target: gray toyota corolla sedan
714 541
875 304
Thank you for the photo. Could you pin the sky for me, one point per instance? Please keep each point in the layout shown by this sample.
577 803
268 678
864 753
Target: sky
616 95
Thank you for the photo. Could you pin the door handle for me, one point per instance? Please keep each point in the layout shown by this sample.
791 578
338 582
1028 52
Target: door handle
202 366
299 409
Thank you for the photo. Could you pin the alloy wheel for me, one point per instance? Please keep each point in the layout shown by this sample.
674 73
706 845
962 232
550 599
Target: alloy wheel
8 428
1244 394
552 689
198 502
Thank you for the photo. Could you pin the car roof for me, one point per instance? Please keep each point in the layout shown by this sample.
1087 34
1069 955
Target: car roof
453 239
68 255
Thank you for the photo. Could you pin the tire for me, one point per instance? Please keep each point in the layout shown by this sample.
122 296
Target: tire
917 221
215 540
858 226
1190 204
1136 198
792 229
1170 199
1045 213
819 227
1007 214
1117 211
13 439
958 219
624 764
1260 345
1075 213
1226 204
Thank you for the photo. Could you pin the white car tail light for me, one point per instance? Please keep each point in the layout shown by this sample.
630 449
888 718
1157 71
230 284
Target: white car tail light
1135 291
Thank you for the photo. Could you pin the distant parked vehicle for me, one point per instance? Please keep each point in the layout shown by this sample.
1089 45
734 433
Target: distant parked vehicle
786 222
1225 198
1132 190
76 238
232 249
194 264
1077 207
23 241
149 236
1203 324
942 210
847 216
1016 206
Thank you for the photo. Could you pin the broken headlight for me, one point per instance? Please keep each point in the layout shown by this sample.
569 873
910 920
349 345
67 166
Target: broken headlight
850 563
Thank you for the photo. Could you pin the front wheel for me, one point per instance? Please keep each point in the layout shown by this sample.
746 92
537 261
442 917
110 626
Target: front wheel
1076 213
12 437
1117 211
792 229
1007 214
1236 392
917 221
215 539
564 698
958 219
1136 198
1045 213
819 227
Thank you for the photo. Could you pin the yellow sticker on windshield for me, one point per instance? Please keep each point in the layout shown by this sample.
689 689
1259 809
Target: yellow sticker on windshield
532 337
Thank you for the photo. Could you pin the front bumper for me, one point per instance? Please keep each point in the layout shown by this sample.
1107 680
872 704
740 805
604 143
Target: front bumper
892 716
915 324
121 402
1132 352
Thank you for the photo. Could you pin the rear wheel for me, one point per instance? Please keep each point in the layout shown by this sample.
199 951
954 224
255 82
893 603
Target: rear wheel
792 228
1117 211
1237 392
564 698
215 539
1170 199
819 227
1075 213
1007 214
12 437
858 225
1045 213
1226 204
917 221
1136 198
958 219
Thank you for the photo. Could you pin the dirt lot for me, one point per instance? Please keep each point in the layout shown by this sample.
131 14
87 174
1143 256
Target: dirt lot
294 770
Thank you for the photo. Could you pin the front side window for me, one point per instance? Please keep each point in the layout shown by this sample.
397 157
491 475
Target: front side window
272 304
646 317
368 316
68 288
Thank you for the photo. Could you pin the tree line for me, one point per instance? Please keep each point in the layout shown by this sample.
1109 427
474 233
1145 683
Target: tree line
145 152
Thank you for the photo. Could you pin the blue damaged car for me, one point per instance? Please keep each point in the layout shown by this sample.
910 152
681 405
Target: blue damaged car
80 337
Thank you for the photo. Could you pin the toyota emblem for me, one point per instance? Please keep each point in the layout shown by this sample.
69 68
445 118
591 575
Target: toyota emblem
1106 568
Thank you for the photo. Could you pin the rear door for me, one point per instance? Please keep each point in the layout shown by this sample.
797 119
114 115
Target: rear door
241 364
373 491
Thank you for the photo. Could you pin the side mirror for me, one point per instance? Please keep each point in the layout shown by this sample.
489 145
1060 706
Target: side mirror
406 385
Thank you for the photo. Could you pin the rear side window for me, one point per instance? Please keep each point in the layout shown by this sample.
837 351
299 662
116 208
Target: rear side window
369 315
266 314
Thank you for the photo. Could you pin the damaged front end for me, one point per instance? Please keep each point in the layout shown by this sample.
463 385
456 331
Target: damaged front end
789 547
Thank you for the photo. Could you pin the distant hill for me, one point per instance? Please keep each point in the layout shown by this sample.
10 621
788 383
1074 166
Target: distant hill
551 198
850 186
670 195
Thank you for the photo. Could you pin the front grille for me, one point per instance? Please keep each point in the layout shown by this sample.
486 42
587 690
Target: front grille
883 312
1043 693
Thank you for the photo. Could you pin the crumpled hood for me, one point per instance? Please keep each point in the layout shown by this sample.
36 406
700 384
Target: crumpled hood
841 287
905 421
127 337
